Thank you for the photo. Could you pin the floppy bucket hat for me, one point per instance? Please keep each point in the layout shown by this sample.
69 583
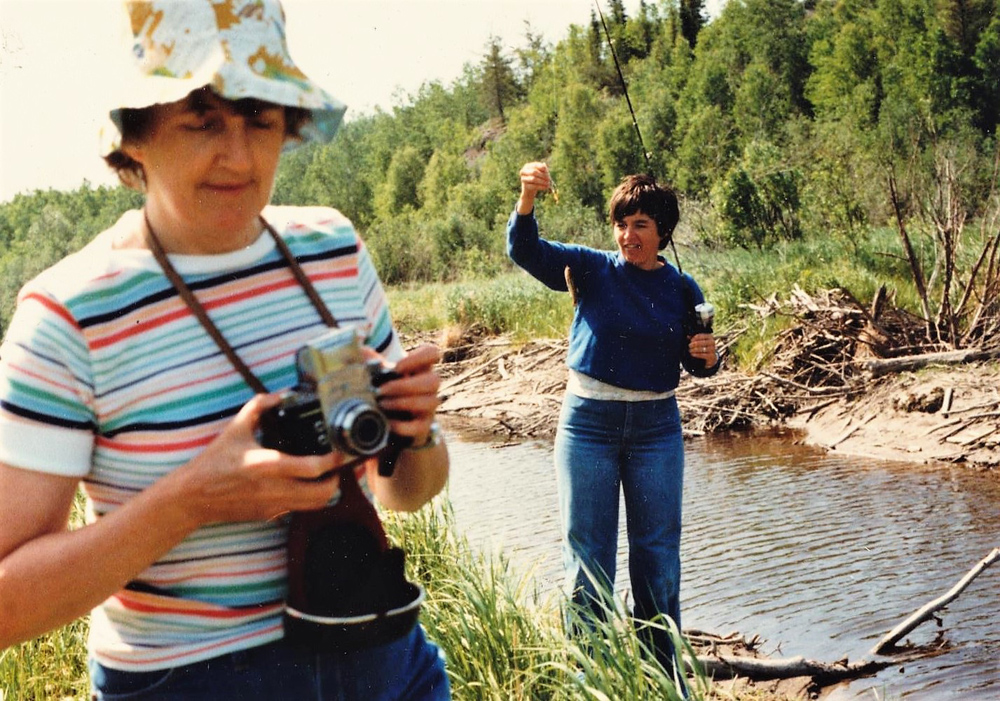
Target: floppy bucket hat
235 47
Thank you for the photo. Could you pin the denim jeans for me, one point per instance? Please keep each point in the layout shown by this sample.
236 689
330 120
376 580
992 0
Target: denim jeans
602 446
408 668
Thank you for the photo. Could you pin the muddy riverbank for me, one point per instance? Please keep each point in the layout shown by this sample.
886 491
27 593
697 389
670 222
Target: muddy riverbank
937 413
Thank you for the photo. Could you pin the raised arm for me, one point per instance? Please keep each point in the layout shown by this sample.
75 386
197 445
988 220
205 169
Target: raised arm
535 178
545 260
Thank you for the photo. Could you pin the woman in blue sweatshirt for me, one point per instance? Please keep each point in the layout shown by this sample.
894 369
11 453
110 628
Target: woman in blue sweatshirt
619 427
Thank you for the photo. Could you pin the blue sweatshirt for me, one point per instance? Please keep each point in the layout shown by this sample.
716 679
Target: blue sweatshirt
629 325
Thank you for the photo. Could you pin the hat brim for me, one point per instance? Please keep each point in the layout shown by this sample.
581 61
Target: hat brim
141 91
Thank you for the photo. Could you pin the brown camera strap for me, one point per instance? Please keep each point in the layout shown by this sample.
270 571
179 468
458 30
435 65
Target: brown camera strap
199 311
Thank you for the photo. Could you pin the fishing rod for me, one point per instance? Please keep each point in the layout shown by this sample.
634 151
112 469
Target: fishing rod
703 313
621 78
635 122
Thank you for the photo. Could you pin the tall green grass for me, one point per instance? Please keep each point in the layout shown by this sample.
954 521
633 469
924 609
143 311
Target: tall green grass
502 638
53 666
512 303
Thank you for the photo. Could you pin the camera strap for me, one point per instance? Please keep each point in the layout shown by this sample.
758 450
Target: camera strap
202 316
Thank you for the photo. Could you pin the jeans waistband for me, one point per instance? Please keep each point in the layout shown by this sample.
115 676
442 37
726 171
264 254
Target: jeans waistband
587 387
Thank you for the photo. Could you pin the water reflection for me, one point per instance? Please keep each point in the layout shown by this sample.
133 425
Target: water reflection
819 554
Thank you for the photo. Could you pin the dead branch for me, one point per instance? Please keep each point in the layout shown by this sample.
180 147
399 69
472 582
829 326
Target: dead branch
877 368
811 390
763 668
482 367
723 665
911 256
927 610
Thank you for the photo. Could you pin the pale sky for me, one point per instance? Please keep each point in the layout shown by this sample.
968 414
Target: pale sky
53 54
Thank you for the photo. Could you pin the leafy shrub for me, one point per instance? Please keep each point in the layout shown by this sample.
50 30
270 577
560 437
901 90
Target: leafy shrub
401 249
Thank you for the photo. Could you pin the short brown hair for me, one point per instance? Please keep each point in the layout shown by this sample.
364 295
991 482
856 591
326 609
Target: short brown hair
136 125
641 193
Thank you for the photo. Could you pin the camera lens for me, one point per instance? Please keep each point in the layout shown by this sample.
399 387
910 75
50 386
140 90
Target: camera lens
359 428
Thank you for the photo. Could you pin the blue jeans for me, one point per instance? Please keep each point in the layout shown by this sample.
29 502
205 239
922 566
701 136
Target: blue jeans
599 446
408 668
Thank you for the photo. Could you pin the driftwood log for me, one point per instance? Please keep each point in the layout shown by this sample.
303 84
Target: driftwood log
718 665
884 366
926 611
765 669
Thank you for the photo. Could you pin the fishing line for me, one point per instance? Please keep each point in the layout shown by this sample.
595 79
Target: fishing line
621 78
635 122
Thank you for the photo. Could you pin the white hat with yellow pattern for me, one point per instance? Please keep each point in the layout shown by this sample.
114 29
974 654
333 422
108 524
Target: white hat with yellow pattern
235 47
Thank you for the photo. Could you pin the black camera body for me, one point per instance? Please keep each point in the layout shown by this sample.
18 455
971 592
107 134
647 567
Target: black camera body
334 405
347 588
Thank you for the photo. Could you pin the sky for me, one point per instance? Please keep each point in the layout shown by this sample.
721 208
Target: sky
367 53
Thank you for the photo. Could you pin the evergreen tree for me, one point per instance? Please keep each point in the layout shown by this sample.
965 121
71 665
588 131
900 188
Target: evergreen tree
499 85
692 19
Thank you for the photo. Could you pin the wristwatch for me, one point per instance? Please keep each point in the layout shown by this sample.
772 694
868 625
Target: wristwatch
433 439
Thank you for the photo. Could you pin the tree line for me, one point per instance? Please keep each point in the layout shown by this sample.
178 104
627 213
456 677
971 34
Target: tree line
774 121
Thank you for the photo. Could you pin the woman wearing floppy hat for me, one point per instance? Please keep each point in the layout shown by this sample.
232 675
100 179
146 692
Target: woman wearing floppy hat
109 380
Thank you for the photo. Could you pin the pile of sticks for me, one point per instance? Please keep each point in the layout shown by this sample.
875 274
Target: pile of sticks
504 388
833 348
812 363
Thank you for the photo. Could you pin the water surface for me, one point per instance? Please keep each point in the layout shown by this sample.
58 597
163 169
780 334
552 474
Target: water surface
819 554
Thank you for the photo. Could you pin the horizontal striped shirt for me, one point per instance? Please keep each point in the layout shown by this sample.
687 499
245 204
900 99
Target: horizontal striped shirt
107 376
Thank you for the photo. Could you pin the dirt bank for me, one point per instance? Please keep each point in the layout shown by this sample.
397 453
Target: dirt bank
850 381
938 413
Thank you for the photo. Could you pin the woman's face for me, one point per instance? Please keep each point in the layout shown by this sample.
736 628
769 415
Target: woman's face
209 168
638 240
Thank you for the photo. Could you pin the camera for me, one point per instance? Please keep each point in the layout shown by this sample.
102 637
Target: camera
347 588
334 404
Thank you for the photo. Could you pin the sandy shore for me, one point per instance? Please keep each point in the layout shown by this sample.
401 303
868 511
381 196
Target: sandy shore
939 414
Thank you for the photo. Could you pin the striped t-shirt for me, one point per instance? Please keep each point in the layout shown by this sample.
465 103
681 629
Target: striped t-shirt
107 376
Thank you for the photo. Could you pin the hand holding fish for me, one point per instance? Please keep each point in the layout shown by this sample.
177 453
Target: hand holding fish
535 178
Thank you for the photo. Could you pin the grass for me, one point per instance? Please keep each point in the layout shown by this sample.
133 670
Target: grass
53 666
511 303
502 639
505 640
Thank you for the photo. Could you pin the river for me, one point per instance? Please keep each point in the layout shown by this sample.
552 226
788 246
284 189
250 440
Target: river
818 554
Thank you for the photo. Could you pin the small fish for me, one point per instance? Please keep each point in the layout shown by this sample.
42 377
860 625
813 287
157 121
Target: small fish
553 190
574 293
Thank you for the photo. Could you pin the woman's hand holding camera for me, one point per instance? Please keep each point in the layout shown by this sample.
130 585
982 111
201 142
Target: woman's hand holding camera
420 474
235 479
414 394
